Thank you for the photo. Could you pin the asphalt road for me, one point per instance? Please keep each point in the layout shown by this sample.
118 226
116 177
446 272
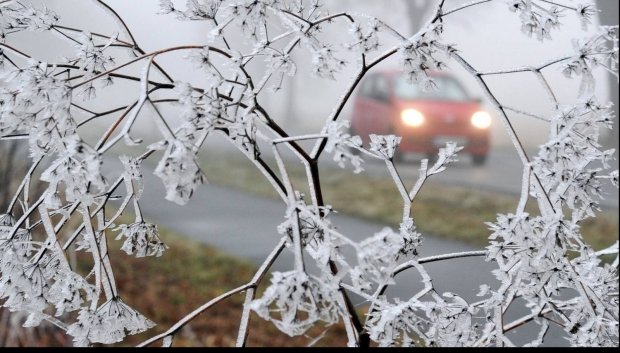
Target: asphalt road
245 226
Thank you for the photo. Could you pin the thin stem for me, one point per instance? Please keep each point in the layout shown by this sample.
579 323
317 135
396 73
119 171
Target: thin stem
198 311
535 68
462 7
144 56
194 314
509 128
22 185
118 19
244 323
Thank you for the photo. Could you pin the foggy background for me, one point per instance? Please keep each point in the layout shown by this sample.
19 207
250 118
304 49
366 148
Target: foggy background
488 36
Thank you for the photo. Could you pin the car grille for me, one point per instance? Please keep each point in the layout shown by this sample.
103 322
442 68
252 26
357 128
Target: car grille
450 123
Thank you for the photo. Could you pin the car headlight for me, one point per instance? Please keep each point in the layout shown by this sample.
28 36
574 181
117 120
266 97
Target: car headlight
481 120
412 117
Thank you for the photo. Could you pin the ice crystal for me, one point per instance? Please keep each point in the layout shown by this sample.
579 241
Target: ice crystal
142 239
295 301
179 172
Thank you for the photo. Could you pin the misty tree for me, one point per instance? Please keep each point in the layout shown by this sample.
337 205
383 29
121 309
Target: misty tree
608 15
541 260
416 10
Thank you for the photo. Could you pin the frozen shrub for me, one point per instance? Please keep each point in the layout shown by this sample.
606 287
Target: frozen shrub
542 260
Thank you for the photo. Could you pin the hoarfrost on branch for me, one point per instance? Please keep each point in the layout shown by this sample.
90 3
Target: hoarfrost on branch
542 259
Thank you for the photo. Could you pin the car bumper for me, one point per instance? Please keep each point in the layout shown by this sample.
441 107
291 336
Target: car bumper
473 143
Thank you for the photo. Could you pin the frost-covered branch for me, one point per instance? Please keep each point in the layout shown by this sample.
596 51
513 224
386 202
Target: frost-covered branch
540 259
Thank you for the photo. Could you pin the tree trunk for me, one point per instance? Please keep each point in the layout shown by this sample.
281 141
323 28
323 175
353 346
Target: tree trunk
417 11
609 17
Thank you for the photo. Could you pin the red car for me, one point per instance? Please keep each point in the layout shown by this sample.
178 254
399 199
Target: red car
387 103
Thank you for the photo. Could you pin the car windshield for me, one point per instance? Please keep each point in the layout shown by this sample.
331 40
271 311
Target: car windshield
447 89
